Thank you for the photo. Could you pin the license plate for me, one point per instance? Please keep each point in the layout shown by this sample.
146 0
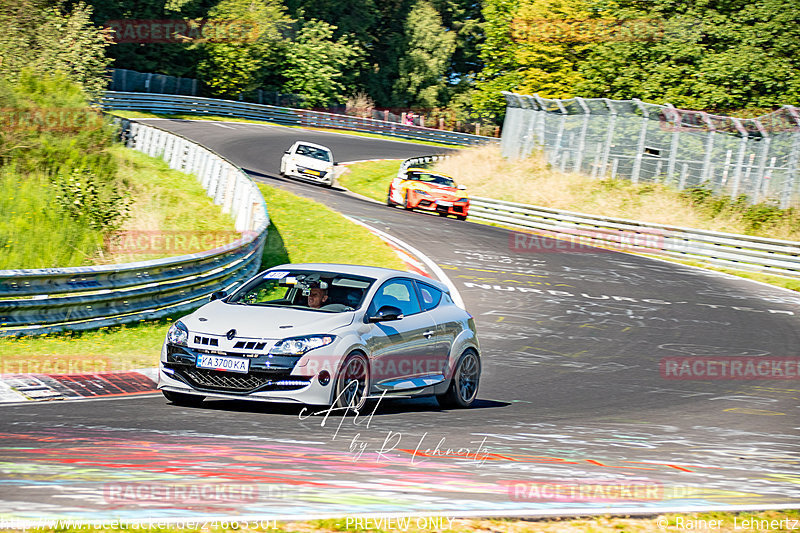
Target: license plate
445 204
227 364
312 172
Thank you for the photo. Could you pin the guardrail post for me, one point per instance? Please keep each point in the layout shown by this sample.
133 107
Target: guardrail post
673 144
637 160
582 138
709 148
737 173
759 182
612 120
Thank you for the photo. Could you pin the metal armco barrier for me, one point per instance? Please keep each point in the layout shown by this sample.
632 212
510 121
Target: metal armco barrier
79 298
771 256
168 103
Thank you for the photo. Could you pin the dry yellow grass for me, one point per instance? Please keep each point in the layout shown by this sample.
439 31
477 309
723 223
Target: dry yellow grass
486 173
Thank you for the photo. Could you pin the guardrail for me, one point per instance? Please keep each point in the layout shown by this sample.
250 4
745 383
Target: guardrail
170 103
742 252
36 301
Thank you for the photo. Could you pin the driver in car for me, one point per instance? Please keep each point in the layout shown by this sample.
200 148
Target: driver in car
317 297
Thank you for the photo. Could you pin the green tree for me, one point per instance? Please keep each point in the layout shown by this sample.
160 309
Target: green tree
50 37
316 64
712 54
422 69
231 67
537 46
173 59
501 70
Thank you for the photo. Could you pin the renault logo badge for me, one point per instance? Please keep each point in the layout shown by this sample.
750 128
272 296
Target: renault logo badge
231 334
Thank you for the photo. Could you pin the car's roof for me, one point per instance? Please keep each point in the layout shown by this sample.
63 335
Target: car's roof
313 145
377 273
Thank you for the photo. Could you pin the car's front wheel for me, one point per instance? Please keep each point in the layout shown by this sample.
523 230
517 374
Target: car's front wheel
186 400
389 201
464 386
352 385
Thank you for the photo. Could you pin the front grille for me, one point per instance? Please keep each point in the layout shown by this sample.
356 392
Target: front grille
215 380
208 341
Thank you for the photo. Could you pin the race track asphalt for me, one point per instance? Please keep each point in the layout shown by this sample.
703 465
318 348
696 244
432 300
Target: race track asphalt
575 413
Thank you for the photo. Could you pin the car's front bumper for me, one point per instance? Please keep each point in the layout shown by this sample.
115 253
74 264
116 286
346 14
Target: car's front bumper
312 393
443 206
319 176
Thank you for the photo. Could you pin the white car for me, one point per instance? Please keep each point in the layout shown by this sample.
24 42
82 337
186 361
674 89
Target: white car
324 334
309 161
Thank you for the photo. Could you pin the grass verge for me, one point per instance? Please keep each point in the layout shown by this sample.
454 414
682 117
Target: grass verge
302 231
371 179
486 173
223 118
37 234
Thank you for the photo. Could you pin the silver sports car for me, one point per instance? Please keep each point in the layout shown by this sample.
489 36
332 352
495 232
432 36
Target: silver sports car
325 334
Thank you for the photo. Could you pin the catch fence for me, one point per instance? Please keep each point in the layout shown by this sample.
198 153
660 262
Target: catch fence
642 142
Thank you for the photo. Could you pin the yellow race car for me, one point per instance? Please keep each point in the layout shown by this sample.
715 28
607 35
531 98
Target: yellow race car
423 189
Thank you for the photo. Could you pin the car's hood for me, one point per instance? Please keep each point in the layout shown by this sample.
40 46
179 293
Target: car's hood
310 162
256 322
442 191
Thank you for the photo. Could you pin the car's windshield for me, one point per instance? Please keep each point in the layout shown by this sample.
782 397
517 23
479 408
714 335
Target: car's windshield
304 289
431 178
313 152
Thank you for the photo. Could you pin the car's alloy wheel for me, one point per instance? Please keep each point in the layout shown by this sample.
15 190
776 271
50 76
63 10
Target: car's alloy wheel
352 385
464 386
461 217
389 201
187 400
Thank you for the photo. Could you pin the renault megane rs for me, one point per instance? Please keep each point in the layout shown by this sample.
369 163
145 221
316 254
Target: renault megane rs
324 334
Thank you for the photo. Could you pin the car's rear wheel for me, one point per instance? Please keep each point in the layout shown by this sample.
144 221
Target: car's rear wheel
441 214
352 385
461 217
179 398
464 386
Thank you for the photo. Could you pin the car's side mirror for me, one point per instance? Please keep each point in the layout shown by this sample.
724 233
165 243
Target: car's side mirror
217 295
287 152
336 163
462 187
386 313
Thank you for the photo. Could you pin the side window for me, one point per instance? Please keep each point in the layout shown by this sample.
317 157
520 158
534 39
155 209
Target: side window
397 293
431 296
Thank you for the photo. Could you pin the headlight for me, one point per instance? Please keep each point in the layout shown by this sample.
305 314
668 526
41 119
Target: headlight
178 334
423 193
301 345
463 200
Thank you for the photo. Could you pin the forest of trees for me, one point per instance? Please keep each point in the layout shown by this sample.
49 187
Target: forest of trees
444 56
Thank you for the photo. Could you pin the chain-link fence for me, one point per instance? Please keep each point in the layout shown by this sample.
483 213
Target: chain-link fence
630 139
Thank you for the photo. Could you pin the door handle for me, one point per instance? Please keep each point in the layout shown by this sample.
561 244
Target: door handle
428 333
